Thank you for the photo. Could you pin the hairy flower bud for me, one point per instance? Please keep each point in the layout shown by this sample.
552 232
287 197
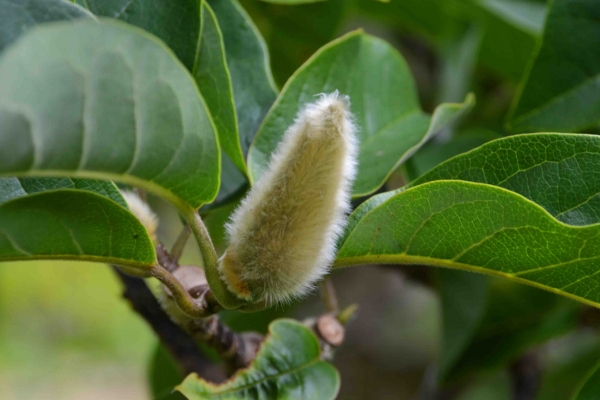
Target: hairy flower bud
142 212
282 237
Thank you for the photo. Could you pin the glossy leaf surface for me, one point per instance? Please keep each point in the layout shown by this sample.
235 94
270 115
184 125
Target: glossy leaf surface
176 22
115 105
17 16
72 225
560 91
288 366
479 228
17 187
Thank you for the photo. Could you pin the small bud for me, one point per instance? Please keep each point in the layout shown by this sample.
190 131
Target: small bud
142 212
282 237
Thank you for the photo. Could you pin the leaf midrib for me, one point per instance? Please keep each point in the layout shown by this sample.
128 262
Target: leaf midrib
267 378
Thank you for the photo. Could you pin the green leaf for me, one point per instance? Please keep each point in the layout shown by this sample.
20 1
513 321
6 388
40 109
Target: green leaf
72 225
560 91
463 297
105 101
557 171
567 362
16 187
248 63
436 152
253 88
163 374
510 27
176 22
526 15
590 388
212 75
190 29
479 228
294 33
288 366
17 16
384 101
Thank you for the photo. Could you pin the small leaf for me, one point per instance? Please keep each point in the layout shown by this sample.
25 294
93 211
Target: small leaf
248 62
384 101
212 75
479 228
253 88
288 366
16 187
140 121
72 225
17 16
560 91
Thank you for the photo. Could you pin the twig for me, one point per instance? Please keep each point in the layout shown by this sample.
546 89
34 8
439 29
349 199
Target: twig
180 242
328 295
165 259
180 345
236 349
201 307
525 375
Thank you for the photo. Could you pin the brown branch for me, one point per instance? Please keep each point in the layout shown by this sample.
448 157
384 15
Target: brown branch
179 344
180 242
328 295
165 259
236 349
525 375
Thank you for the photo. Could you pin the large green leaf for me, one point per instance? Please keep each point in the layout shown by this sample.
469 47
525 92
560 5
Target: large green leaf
560 91
478 228
590 387
72 225
176 22
556 171
104 100
384 101
190 29
288 366
17 187
16 16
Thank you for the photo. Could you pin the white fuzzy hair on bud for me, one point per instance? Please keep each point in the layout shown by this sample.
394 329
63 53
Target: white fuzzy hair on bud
142 212
282 237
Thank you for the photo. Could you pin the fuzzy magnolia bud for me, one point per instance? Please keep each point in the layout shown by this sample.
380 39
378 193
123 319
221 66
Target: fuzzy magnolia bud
282 237
142 212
